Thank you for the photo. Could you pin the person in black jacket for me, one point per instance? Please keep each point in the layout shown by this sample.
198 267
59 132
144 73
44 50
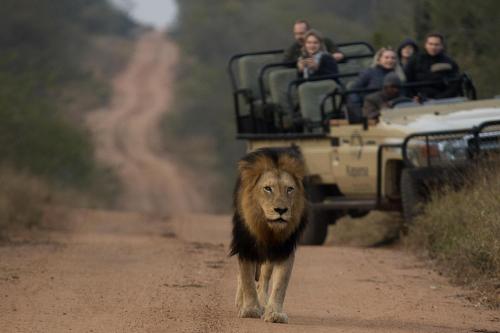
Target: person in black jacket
406 50
433 65
315 61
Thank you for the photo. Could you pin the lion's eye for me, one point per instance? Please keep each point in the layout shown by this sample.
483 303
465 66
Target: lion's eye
289 189
268 189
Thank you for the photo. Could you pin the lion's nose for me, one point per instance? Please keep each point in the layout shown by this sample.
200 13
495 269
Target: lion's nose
281 211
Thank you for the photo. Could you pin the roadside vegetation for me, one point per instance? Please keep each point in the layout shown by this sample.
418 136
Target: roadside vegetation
55 64
460 231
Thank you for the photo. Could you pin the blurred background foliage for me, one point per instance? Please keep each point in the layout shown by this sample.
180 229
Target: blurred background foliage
54 65
209 32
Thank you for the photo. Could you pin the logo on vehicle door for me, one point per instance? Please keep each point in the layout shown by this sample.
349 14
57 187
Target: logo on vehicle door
357 171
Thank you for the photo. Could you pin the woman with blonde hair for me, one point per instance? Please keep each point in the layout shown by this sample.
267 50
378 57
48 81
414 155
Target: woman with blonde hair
381 59
385 61
315 61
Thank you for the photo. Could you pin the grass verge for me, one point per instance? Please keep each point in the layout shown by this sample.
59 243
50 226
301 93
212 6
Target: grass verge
460 231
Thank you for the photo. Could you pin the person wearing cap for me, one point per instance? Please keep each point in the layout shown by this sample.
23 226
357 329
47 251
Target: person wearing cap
385 98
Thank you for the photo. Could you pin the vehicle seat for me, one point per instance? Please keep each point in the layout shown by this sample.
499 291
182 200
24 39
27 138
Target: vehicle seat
279 79
311 94
249 68
354 65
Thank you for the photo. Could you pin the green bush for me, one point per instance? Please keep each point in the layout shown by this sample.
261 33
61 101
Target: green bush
54 65
44 71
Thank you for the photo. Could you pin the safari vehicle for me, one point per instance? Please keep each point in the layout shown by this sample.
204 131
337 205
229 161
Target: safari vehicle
354 167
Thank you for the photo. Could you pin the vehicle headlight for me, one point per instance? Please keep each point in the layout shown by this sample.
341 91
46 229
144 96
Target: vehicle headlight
453 150
422 153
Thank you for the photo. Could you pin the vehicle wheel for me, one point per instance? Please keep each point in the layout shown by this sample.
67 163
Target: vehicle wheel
413 194
318 220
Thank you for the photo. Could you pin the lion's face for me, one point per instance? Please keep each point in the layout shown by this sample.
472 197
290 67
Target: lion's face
271 195
275 192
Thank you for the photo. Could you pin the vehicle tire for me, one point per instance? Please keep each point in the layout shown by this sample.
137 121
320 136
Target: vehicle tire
316 228
413 194
318 220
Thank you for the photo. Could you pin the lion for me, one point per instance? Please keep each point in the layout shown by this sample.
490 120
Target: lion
269 217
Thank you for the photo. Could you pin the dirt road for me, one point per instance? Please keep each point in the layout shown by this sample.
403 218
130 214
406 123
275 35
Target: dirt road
159 265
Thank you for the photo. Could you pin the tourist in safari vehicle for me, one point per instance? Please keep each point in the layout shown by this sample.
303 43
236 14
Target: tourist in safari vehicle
406 50
433 64
315 61
300 28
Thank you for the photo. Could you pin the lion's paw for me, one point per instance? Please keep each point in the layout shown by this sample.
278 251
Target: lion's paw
276 317
251 312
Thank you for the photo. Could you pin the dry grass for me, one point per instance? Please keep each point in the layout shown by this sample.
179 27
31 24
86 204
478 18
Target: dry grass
460 230
22 200
375 229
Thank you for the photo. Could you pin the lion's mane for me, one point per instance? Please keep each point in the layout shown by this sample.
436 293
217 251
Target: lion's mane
252 238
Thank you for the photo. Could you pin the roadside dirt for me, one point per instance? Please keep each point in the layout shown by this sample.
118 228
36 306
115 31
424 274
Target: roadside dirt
160 265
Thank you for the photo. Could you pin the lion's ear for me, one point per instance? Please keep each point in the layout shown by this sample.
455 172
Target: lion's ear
247 169
293 165
242 166
248 173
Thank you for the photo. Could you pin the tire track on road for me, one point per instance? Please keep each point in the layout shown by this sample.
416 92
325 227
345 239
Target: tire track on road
127 133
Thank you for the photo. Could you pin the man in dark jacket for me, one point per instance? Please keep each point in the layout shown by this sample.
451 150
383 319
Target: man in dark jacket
300 28
433 65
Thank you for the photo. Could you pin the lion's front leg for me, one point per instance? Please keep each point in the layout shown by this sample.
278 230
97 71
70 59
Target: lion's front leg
250 307
239 295
263 286
281 276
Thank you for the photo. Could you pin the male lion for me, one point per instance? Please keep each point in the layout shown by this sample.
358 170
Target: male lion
269 216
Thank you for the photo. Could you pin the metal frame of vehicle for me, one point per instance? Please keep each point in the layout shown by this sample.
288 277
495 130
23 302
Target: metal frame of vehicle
473 146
